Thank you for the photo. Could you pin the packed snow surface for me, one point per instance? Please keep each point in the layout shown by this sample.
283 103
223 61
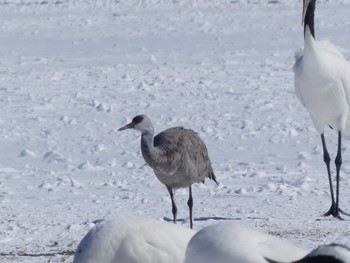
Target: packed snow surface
73 72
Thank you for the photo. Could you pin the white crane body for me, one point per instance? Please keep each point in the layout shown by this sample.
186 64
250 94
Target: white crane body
322 83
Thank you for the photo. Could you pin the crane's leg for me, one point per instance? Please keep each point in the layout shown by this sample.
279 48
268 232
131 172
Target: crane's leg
338 163
327 160
190 206
173 205
334 210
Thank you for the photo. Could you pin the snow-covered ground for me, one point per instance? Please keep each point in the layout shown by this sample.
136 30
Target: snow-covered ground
72 72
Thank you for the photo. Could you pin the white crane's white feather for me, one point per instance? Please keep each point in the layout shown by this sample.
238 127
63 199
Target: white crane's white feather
322 84
134 240
324 45
230 242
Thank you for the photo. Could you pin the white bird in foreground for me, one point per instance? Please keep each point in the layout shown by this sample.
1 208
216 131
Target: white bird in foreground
134 241
322 84
333 253
230 242
177 156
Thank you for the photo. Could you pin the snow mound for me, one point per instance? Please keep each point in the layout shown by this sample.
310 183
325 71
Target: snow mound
53 156
231 242
133 241
27 153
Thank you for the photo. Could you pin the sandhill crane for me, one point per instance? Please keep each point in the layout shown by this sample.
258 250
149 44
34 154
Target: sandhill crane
134 240
322 84
177 156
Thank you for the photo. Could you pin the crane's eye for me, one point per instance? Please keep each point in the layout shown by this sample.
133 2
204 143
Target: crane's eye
137 119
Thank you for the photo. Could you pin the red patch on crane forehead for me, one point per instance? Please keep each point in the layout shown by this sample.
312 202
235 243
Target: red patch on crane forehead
137 119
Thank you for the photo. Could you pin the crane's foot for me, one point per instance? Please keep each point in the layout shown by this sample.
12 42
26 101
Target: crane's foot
335 212
343 212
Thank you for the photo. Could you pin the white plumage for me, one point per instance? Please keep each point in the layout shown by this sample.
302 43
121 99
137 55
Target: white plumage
177 156
230 242
139 240
322 84
132 240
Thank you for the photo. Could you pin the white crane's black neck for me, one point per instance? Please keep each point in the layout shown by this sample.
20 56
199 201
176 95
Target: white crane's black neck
309 17
320 259
314 259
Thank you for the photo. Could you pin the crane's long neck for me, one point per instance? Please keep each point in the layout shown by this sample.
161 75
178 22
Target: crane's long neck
309 17
149 152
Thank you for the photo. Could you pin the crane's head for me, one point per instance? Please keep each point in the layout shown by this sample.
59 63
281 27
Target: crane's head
141 123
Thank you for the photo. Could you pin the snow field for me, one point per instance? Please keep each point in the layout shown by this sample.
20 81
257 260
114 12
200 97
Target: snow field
73 72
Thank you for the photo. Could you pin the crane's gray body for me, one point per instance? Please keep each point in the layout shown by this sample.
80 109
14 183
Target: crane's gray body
179 157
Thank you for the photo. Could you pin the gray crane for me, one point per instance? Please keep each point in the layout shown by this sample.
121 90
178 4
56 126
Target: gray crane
177 156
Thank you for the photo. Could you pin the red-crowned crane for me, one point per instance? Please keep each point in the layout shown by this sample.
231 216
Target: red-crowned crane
322 84
230 242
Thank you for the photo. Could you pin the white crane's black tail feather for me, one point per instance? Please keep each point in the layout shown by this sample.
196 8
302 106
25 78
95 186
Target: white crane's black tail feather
270 261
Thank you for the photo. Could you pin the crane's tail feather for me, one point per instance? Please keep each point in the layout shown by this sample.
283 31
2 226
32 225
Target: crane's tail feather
213 177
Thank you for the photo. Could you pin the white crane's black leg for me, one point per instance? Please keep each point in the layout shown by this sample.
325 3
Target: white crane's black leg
338 163
327 160
190 206
173 205
334 210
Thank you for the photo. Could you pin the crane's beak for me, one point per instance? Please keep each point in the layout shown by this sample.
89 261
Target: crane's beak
128 126
305 5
